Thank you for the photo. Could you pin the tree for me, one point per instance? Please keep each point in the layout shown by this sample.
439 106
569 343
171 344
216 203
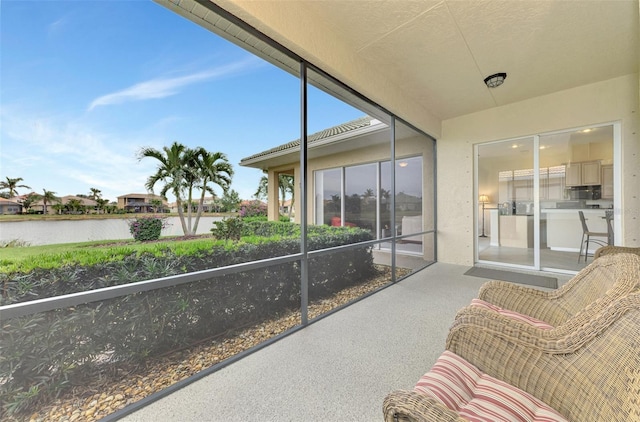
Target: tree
263 188
213 169
74 206
12 185
171 170
285 185
48 197
230 201
95 194
157 205
29 200
101 204
182 170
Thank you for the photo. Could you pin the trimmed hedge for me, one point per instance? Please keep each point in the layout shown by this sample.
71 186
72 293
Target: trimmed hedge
46 352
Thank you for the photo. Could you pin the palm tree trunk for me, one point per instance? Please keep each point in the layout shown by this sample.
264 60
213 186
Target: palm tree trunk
200 203
181 215
189 212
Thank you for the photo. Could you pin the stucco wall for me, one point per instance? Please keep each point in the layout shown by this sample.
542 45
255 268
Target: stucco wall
614 100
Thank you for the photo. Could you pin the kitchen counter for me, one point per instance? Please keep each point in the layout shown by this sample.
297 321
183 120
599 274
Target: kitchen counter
516 231
564 230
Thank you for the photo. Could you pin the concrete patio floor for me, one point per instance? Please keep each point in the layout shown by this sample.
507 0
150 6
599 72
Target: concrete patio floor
339 368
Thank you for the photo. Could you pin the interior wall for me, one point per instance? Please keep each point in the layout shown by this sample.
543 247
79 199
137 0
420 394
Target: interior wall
607 101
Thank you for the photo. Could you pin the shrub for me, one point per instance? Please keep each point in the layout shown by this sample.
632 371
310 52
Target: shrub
228 229
253 209
147 228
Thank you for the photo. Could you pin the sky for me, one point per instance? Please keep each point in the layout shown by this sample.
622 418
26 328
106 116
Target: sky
84 85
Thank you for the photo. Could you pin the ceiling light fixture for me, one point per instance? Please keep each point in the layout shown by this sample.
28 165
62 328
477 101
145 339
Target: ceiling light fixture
496 80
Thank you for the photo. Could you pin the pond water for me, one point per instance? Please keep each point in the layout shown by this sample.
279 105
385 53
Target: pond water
35 232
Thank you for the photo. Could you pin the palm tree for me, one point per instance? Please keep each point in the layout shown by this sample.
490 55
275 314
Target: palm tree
286 185
95 194
58 208
48 197
172 170
12 185
29 200
182 170
74 206
263 188
192 176
156 204
215 169
101 204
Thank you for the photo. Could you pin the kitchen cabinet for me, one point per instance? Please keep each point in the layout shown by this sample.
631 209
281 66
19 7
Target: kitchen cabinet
582 174
573 174
607 182
591 173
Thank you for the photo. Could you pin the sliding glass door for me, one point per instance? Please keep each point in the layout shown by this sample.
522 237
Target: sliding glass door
576 178
532 192
505 202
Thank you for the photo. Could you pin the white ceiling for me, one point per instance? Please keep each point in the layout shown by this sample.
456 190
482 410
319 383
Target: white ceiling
440 51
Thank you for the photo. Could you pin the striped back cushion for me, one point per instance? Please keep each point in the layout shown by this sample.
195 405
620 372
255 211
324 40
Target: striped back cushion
478 397
512 314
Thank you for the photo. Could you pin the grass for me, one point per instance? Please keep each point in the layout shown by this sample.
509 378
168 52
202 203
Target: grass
26 259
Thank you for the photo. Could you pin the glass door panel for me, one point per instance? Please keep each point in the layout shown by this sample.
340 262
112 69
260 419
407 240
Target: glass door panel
575 164
505 202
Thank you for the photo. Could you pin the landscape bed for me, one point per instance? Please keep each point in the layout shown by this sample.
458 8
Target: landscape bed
53 352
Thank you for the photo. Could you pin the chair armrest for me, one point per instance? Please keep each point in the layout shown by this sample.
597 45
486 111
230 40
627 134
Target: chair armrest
410 406
608 250
536 303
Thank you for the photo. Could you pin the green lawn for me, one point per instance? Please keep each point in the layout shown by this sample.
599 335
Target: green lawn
25 259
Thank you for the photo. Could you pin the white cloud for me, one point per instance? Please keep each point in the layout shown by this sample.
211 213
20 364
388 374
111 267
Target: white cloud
165 87
70 157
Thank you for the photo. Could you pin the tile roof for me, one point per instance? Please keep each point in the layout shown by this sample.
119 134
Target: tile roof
4 201
316 137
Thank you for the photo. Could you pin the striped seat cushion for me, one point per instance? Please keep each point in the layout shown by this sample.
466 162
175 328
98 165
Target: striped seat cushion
477 397
512 314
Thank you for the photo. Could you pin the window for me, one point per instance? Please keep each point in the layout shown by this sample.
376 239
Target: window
367 198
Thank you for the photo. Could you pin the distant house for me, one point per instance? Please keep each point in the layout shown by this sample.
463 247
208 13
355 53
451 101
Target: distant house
88 204
8 206
284 207
141 202
210 204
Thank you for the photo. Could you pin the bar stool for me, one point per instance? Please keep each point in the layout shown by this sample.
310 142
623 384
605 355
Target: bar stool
608 215
588 235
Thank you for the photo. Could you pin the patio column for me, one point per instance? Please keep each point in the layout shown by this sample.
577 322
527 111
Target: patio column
273 197
297 192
